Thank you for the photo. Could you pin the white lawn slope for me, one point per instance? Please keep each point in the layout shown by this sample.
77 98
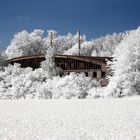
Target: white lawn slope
98 119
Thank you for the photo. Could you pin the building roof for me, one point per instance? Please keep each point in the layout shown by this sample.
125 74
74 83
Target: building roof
92 59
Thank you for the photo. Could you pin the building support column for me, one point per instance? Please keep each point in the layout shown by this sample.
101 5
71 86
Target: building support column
90 74
98 74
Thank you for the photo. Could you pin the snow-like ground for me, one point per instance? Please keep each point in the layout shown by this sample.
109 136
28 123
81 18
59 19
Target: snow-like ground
97 119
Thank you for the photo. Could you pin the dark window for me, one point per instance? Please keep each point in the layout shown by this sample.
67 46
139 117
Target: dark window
61 74
94 74
103 74
62 66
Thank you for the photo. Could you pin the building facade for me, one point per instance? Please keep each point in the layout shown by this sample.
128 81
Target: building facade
94 67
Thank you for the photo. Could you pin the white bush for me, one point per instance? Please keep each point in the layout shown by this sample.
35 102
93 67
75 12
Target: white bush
17 82
70 86
97 92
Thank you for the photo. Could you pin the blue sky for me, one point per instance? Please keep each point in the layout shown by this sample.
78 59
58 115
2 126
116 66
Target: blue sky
95 18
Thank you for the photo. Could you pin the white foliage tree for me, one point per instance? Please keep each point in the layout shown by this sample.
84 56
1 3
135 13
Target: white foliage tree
61 43
104 46
24 44
126 66
49 65
52 34
86 49
3 57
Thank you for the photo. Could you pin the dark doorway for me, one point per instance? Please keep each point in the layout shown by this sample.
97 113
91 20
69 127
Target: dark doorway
86 74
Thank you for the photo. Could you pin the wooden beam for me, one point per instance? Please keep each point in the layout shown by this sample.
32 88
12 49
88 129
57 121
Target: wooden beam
79 42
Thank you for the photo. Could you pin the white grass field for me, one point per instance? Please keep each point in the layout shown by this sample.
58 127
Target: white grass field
89 119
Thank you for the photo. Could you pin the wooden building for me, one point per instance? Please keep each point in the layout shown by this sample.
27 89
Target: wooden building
95 67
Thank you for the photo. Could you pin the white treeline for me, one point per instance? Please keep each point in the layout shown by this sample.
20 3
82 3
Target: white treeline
45 82
25 43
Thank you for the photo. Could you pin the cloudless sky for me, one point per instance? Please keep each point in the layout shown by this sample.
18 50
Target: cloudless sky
95 18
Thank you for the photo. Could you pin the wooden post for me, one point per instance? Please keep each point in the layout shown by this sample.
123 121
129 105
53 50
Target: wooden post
79 42
51 40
